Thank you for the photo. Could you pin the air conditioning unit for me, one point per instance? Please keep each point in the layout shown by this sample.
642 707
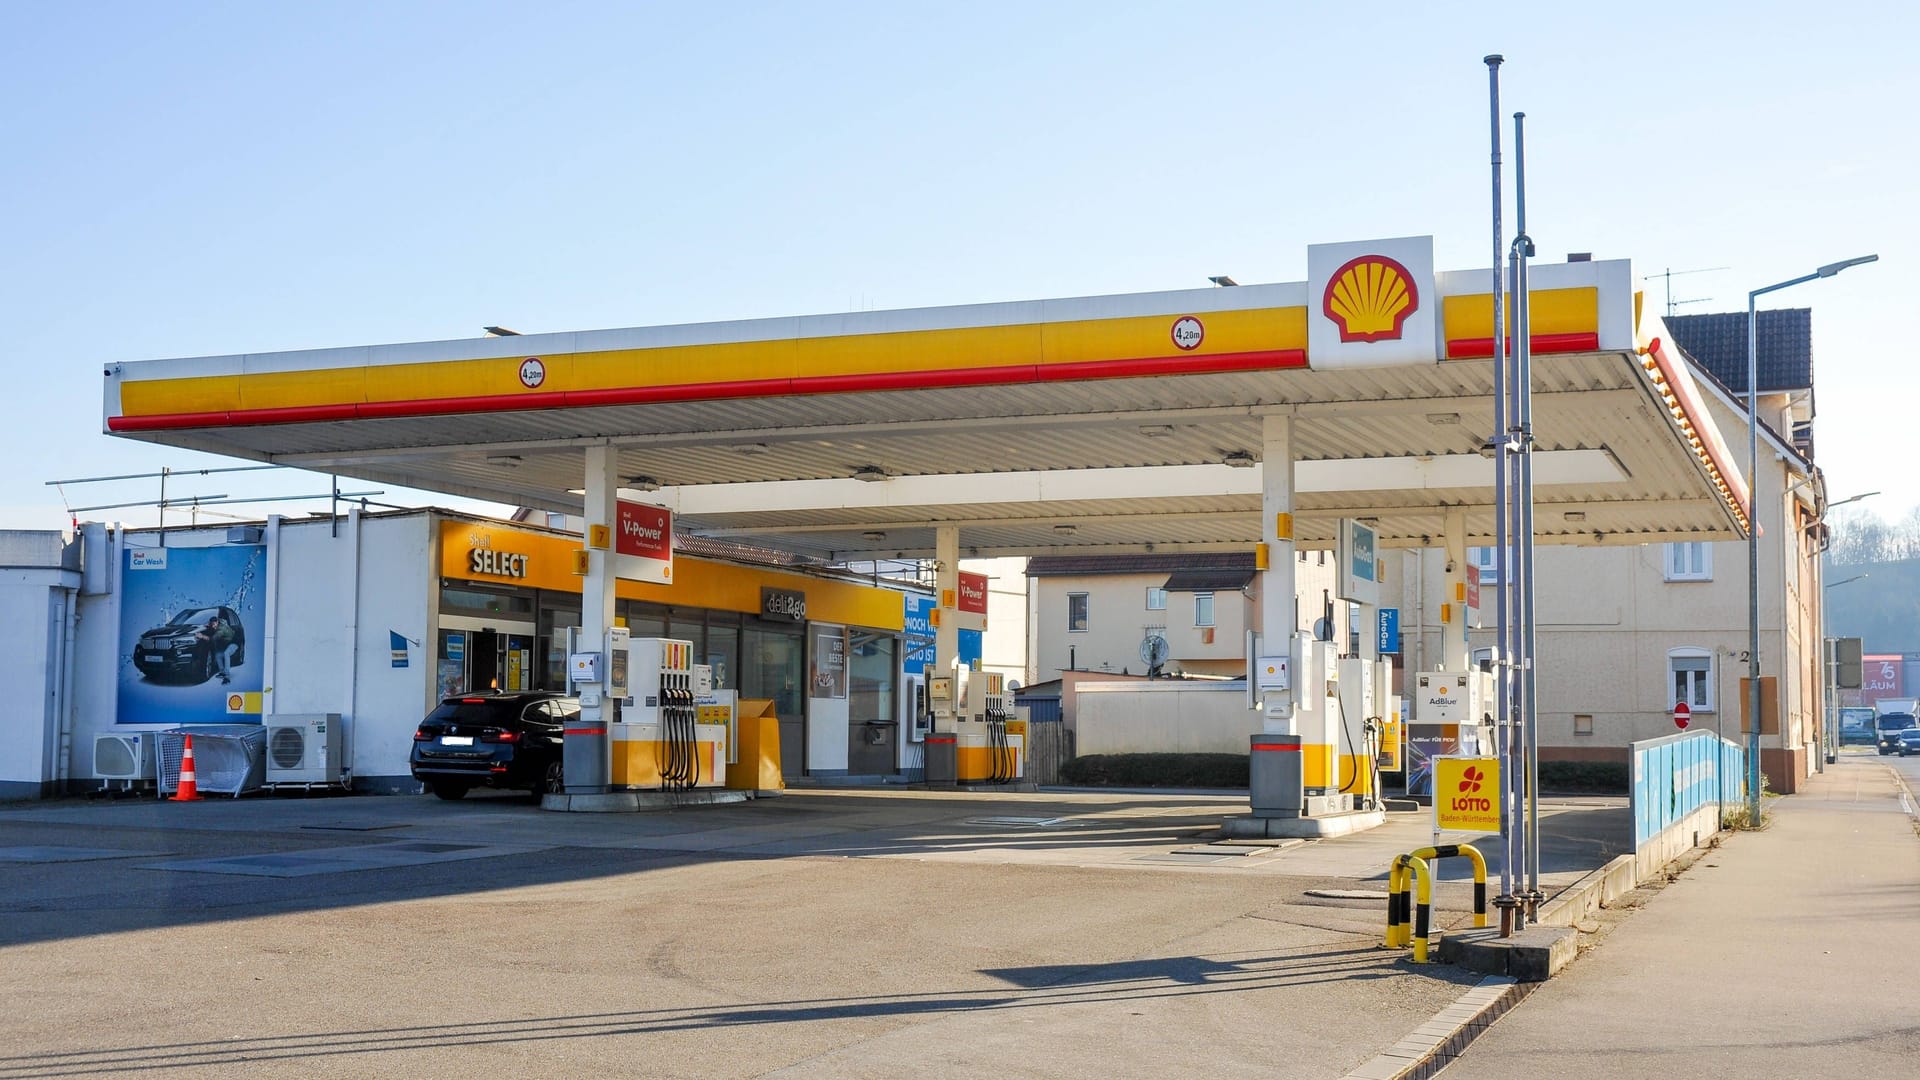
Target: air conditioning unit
303 748
123 757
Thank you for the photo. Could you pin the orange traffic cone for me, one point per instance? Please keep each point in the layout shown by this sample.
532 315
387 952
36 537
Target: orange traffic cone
189 789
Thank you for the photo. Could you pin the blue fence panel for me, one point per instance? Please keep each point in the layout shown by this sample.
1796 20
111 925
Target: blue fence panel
1040 710
1675 776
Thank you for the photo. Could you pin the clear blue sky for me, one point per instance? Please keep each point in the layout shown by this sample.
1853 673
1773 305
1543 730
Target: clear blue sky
200 178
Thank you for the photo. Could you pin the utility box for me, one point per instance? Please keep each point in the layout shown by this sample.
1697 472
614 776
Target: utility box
942 756
1276 775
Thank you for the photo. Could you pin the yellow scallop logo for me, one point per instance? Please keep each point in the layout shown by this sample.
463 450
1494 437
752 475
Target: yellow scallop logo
1370 298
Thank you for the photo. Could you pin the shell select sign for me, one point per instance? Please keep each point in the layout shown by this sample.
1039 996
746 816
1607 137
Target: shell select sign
1466 794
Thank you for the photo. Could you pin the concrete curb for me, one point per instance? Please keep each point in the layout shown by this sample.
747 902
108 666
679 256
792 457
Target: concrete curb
1433 1046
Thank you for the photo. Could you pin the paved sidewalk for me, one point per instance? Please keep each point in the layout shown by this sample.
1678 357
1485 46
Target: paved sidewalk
1789 952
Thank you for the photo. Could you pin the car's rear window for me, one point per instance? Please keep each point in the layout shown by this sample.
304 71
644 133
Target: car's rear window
476 712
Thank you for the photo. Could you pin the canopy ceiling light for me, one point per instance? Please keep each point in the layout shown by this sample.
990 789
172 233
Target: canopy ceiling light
870 473
873 536
642 483
1239 459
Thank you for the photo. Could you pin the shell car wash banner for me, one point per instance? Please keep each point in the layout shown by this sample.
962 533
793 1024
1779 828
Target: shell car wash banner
188 616
1466 794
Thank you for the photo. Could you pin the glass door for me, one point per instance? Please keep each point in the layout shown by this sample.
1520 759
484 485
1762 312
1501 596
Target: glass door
773 666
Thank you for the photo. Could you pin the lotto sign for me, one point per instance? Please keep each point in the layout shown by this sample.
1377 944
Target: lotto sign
1466 794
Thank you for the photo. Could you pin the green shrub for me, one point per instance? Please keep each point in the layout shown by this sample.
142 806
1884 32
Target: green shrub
1596 777
1157 770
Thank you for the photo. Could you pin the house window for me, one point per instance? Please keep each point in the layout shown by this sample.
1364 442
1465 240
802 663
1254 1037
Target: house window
1156 599
1583 723
1077 612
1487 559
1690 561
1691 672
1203 609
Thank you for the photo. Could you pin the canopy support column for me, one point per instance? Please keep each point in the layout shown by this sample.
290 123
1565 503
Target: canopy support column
584 747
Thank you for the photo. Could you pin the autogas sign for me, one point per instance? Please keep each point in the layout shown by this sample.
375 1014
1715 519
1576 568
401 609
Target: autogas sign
1466 794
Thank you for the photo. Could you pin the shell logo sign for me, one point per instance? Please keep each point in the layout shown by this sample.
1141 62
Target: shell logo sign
1370 298
1368 304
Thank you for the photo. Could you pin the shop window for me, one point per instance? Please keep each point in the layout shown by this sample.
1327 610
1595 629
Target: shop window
872 664
1077 612
457 600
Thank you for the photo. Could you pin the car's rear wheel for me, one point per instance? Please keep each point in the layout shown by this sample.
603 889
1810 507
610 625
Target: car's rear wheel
450 789
553 781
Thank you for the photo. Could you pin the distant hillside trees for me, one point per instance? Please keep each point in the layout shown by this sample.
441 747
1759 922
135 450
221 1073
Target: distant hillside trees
1883 610
1864 538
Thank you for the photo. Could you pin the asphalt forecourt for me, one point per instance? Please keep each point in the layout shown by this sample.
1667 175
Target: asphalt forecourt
822 933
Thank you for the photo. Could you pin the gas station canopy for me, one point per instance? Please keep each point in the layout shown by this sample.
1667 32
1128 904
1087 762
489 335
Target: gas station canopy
1122 423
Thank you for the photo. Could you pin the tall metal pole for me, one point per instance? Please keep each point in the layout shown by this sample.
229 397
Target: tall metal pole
1753 525
1523 391
1498 438
1753 567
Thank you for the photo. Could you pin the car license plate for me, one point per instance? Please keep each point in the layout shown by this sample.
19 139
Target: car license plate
456 740
156 658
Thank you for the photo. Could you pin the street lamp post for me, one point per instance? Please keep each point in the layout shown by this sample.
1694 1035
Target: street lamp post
1753 530
1830 682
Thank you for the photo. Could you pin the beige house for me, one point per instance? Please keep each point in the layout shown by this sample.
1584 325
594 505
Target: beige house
1095 613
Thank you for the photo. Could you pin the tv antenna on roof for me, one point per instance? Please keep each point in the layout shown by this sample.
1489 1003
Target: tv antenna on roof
1669 274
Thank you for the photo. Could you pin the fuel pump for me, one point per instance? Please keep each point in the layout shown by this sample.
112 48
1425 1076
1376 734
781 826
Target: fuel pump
1453 713
1363 708
661 741
1317 722
985 751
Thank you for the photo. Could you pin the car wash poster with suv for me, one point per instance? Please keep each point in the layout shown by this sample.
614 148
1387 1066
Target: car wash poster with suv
192 626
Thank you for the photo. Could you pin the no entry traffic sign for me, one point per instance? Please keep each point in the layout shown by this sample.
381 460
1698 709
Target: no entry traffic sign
1682 714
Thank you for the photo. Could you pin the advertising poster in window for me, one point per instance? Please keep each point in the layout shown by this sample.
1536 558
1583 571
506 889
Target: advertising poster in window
919 638
830 664
192 624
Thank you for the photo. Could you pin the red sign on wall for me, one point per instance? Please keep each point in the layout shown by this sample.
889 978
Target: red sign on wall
973 593
1880 676
1473 587
646 531
643 542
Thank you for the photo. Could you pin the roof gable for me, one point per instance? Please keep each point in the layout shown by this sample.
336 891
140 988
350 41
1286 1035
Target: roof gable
1783 342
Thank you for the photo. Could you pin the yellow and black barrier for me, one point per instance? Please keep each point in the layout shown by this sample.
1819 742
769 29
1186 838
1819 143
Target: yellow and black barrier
1408 923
